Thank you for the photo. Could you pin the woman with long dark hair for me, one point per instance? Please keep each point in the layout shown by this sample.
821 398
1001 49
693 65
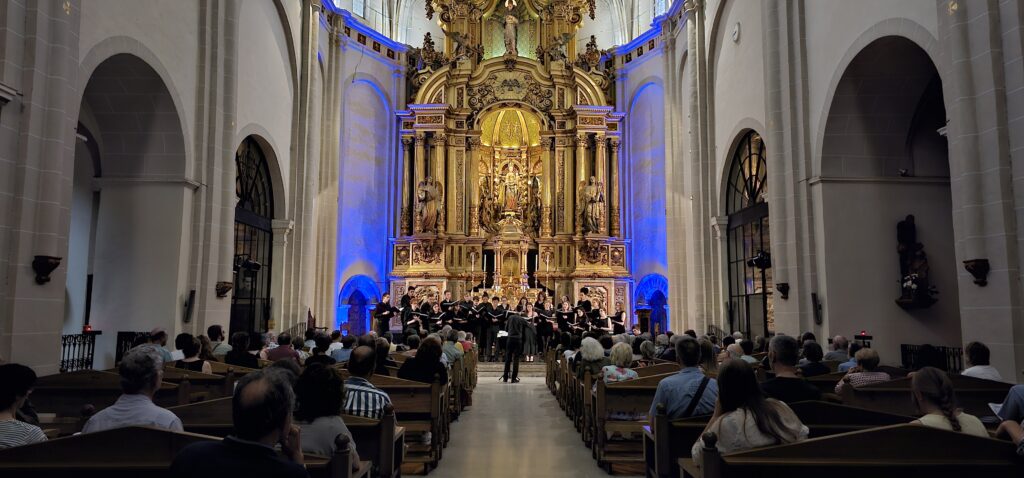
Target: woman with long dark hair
744 418
934 397
320 395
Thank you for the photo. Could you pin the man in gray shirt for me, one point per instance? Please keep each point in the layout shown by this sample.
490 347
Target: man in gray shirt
142 370
838 352
688 393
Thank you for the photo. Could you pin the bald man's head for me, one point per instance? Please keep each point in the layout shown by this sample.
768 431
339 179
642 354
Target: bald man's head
262 404
362 361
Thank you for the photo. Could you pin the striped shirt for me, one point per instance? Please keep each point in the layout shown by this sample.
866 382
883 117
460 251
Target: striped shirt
14 433
362 399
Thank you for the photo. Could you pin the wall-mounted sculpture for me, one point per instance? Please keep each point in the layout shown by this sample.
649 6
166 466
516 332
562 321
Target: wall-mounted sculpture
916 289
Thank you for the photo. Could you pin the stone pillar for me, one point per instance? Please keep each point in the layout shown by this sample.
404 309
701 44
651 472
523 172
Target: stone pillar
549 182
613 189
437 155
420 167
582 175
473 144
405 218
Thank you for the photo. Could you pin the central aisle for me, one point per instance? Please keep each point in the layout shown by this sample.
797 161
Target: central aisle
515 430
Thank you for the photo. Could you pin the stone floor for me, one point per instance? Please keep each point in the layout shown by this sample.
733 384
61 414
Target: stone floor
515 430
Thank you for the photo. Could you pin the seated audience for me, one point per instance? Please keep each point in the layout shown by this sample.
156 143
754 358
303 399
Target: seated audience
744 418
466 340
621 358
1013 405
239 354
760 344
732 351
573 347
412 342
192 362
310 341
787 386
335 342
158 338
661 344
1012 431
933 394
452 348
839 350
262 414
269 343
847 365
591 358
691 333
217 340
299 345
206 349
708 357
689 392
341 354
319 394
362 399
323 342
607 342
812 365
142 370
977 357
865 373
426 364
181 341
383 357
646 353
283 350
16 382
670 352
748 348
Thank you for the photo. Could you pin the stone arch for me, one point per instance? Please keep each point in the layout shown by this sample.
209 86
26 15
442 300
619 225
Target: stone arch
357 298
739 131
267 144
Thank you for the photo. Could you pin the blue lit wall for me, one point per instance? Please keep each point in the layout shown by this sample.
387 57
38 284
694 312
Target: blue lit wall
645 143
363 194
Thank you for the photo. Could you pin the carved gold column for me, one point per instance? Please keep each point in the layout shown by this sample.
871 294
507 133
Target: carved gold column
613 183
456 184
549 182
601 172
437 144
582 175
406 213
473 144
565 199
420 168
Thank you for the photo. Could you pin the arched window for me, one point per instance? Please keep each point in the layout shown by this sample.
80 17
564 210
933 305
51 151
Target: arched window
749 249
250 303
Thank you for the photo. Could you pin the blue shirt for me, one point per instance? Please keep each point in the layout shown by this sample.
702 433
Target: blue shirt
133 410
845 366
678 390
341 355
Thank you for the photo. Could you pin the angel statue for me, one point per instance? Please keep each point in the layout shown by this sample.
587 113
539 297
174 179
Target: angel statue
592 210
487 210
426 205
510 35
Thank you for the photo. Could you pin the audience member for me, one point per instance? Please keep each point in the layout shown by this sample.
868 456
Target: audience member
16 383
319 394
192 362
573 348
290 367
1012 431
426 365
217 338
865 373
284 349
647 353
452 348
689 392
847 365
839 350
383 356
181 341
691 333
412 342
621 358
748 349
335 342
239 354
744 418
787 386
310 341
262 414
670 352
1013 406
812 365
362 398
269 343
760 344
466 340
323 344
661 344
978 358
708 357
299 345
142 370
342 354
934 397
732 351
592 358
206 349
158 337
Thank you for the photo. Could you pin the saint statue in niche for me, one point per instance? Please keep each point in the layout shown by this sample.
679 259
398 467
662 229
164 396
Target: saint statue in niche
426 204
510 193
510 35
487 210
915 283
592 193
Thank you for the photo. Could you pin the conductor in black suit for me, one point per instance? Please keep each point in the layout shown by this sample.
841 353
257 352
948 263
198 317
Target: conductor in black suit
516 328
383 313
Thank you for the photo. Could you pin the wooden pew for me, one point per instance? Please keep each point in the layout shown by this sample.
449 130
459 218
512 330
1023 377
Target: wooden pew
213 418
221 368
826 383
203 386
665 441
973 395
134 452
632 398
904 450
66 394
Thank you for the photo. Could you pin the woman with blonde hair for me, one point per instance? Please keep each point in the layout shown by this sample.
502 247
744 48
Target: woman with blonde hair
621 358
591 357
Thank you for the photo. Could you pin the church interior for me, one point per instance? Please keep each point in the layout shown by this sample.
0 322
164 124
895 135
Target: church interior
695 192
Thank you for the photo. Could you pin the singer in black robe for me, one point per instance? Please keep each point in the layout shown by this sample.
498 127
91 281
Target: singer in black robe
383 314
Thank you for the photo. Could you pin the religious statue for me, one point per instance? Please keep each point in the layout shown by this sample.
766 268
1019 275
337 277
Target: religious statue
510 35
533 209
592 209
427 197
509 194
914 270
487 210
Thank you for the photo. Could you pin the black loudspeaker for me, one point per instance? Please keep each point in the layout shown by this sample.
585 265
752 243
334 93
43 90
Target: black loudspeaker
189 305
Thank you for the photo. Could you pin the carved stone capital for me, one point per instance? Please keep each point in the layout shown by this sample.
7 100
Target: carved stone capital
439 140
420 137
615 142
406 142
545 143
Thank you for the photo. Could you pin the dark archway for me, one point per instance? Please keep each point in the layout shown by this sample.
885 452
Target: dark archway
254 237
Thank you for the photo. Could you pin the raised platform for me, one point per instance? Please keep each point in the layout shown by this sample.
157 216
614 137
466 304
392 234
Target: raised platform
494 369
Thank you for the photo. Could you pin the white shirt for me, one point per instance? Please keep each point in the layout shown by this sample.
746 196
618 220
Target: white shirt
334 346
133 410
737 430
986 372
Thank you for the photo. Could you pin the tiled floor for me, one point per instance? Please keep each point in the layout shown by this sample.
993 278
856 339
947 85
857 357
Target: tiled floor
515 430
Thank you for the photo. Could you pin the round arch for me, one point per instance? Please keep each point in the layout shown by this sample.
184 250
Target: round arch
647 286
356 302
263 138
745 126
